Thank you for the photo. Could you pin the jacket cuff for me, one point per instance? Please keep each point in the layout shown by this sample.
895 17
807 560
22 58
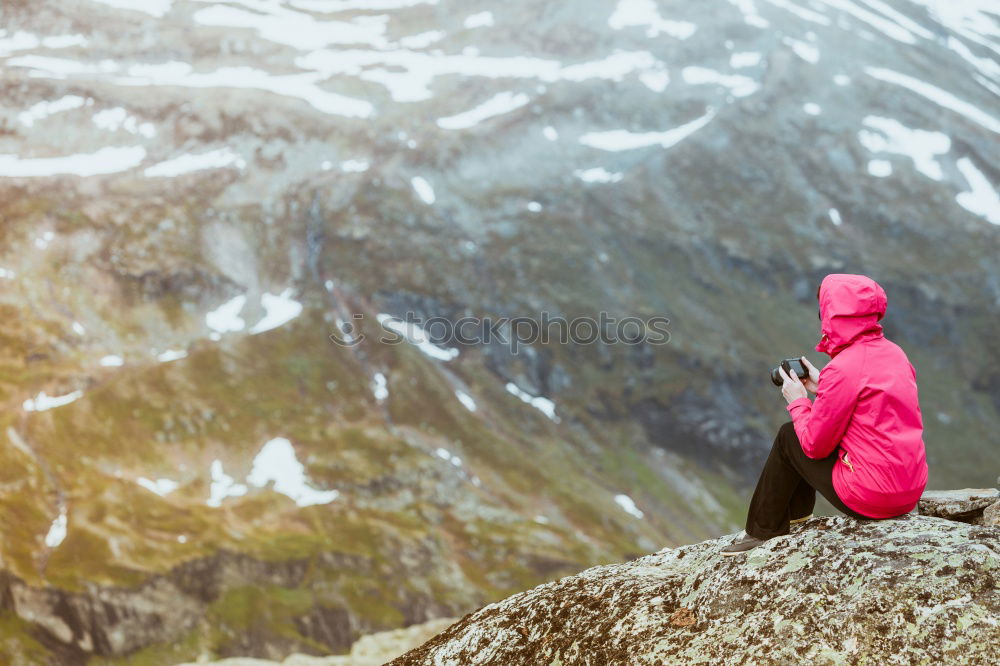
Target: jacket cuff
800 402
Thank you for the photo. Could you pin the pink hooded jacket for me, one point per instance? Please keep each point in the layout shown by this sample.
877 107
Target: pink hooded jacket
866 404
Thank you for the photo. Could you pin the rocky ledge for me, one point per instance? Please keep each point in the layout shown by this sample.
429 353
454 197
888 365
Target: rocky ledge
918 589
979 506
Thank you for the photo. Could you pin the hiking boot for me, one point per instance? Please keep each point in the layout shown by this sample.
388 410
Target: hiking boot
743 545
800 520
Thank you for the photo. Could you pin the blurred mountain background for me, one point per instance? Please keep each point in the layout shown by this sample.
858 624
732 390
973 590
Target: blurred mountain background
195 195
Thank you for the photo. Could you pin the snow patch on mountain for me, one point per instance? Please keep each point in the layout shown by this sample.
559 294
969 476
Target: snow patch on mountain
886 135
542 404
380 387
738 85
619 140
479 20
280 308
981 198
57 531
880 168
43 402
941 97
423 189
277 464
118 118
189 163
628 506
103 161
644 13
161 487
225 318
466 400
416 336
499 104
223 485
45 109
598 175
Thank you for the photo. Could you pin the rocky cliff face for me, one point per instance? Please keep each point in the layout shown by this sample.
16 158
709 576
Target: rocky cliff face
372 650
835 591
194 195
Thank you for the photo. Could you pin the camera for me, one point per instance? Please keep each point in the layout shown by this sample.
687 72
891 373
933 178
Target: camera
790 365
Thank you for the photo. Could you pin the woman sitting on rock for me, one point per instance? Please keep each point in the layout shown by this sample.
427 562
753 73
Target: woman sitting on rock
860 443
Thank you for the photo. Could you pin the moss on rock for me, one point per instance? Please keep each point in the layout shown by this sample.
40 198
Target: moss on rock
834 591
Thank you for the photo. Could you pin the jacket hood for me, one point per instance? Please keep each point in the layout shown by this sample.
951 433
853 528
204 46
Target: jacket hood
850 307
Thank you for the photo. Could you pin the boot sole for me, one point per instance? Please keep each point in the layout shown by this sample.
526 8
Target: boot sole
740 552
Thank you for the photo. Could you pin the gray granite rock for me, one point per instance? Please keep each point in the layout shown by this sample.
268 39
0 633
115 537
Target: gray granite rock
991 515
964 505
911 590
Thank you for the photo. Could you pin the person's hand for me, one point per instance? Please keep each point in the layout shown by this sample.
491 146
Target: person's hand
812 381
791 387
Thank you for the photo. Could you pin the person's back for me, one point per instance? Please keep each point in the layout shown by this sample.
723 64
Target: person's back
860 443
885 468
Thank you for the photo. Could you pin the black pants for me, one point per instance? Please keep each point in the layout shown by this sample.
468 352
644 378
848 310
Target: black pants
787 487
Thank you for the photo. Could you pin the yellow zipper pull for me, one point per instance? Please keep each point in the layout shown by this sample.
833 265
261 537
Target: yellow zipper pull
847 462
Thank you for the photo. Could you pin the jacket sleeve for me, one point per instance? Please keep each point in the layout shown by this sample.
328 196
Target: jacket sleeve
820 425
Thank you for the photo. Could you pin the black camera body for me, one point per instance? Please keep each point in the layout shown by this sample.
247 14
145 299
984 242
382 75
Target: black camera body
790 365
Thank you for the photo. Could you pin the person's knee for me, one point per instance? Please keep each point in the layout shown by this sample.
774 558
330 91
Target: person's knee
786 436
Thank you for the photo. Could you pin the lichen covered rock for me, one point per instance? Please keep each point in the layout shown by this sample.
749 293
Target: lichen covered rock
914 590
991 515
965 504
